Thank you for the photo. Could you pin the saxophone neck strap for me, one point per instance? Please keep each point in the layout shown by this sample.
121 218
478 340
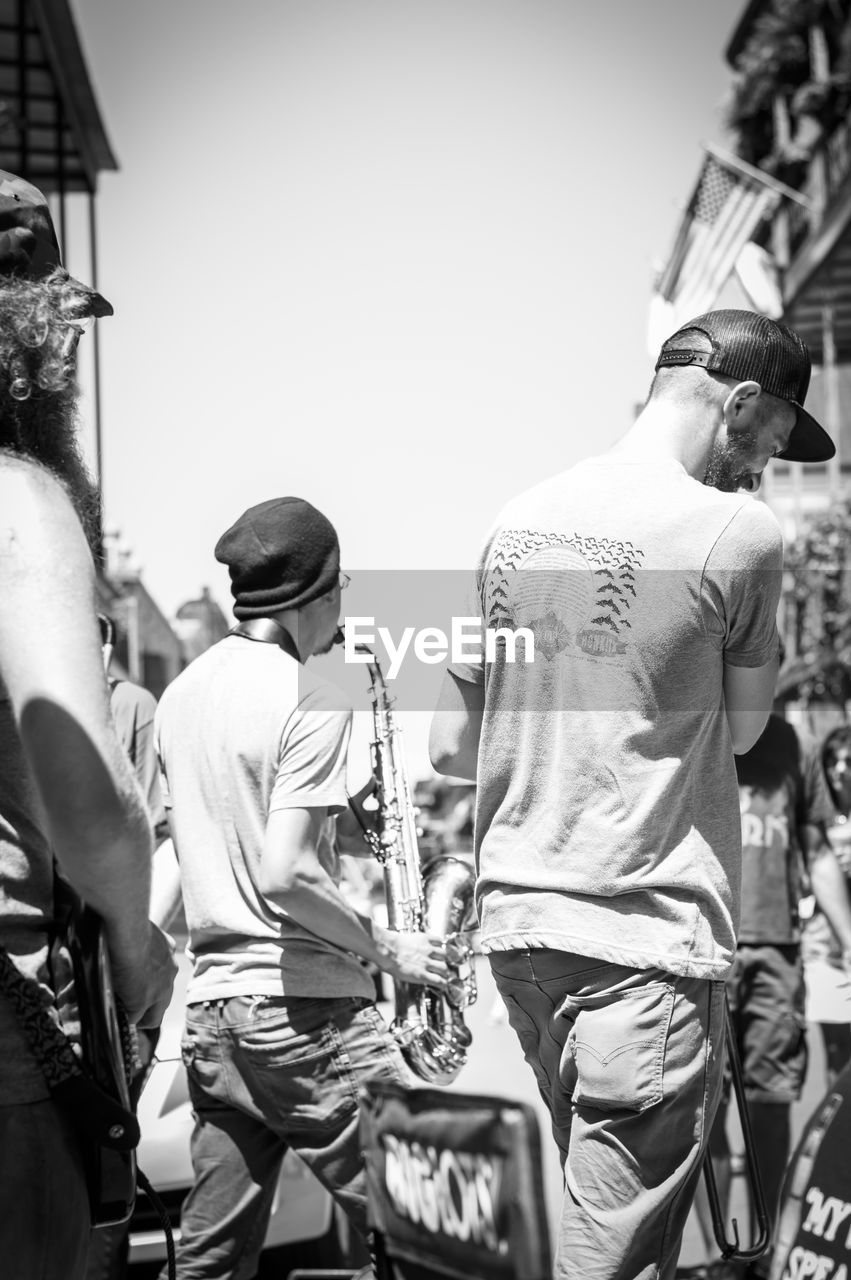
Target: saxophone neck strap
267 631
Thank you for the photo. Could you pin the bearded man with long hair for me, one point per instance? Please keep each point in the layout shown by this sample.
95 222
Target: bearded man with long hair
67 796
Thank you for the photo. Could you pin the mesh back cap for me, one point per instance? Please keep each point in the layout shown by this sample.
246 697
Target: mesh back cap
751 348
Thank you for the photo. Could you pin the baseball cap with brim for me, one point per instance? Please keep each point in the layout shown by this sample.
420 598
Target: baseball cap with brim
28 243
751 348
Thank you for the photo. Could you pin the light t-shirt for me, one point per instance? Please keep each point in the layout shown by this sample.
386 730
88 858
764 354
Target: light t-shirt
607 820
243 731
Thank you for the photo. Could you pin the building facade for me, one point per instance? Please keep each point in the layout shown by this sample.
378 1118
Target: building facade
199 624
768 228
769 223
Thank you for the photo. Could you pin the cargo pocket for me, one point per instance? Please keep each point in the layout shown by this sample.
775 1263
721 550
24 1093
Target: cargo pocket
618 1047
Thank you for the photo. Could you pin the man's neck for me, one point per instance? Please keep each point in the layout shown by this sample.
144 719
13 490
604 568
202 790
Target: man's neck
663 432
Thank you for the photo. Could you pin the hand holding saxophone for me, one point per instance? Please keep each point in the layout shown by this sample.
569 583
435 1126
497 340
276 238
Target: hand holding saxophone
414 957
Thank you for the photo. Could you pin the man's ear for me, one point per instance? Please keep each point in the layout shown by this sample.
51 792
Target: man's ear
740 405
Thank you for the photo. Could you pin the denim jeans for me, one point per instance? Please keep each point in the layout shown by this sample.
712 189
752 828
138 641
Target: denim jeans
268 1073
630 1065
44 1205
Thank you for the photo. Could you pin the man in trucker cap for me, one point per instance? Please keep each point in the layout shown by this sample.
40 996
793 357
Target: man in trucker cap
608 837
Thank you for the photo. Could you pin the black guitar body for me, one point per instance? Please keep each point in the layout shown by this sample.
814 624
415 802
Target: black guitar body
108 1144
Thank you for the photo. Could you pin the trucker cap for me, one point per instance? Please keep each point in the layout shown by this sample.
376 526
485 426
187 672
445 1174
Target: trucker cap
751 348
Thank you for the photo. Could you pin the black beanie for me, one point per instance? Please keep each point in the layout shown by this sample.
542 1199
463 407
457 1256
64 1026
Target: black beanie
281 554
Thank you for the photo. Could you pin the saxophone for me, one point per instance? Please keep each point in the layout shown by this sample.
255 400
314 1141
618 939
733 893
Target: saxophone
429 1025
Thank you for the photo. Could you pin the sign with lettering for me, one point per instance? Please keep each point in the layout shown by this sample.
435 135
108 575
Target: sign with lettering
454 1181
814 1223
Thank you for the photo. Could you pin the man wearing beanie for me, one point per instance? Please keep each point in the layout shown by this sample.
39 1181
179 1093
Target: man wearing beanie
281 1028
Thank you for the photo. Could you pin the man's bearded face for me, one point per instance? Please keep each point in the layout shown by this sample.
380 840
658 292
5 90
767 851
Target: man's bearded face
730 465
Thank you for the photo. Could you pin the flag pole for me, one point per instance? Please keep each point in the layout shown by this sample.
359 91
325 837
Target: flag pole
759 175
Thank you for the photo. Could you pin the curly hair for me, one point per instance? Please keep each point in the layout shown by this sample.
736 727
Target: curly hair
39 331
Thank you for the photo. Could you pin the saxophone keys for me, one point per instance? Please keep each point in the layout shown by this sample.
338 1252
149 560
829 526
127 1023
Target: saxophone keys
456 993
456 950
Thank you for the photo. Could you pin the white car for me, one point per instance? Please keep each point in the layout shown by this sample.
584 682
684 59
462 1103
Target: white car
304 1218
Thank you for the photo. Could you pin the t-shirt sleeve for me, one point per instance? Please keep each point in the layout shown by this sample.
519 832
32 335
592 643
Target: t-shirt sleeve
165 793
741 586
473 611
134 710
148 775
312 761
473 669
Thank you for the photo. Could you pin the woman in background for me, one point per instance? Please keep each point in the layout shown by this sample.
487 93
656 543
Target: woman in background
826 967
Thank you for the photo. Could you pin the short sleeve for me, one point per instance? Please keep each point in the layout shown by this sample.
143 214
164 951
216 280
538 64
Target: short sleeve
134 711
741 586
148 775
165 793
312 760
474 615
473 669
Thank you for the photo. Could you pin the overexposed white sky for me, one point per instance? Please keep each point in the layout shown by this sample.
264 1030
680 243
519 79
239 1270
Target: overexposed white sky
394 256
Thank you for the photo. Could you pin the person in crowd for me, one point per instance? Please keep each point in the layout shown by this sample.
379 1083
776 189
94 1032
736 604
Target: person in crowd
133 708
281 1027
632 601
785 811
66 790
827 954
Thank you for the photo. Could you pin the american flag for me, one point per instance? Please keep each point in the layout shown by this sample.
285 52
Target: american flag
725 210
715 186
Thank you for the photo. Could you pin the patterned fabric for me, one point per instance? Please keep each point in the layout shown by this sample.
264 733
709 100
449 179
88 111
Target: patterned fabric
26 909
92 1110
51 1046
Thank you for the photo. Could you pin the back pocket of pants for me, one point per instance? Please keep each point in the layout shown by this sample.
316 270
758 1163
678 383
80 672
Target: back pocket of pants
618 1047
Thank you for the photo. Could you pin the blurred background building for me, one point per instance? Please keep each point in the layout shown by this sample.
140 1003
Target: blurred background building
199 624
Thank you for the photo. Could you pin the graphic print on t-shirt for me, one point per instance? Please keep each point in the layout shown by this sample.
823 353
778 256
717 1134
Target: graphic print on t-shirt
571 592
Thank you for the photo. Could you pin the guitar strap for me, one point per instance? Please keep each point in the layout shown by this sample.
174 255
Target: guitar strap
86 1103
89 1106
47 1041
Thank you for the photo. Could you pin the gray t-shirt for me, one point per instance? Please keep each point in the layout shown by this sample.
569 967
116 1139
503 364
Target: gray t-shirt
243 731
607 819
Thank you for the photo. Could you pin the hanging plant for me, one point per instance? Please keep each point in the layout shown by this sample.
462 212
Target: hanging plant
809 98
776 56
818 592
